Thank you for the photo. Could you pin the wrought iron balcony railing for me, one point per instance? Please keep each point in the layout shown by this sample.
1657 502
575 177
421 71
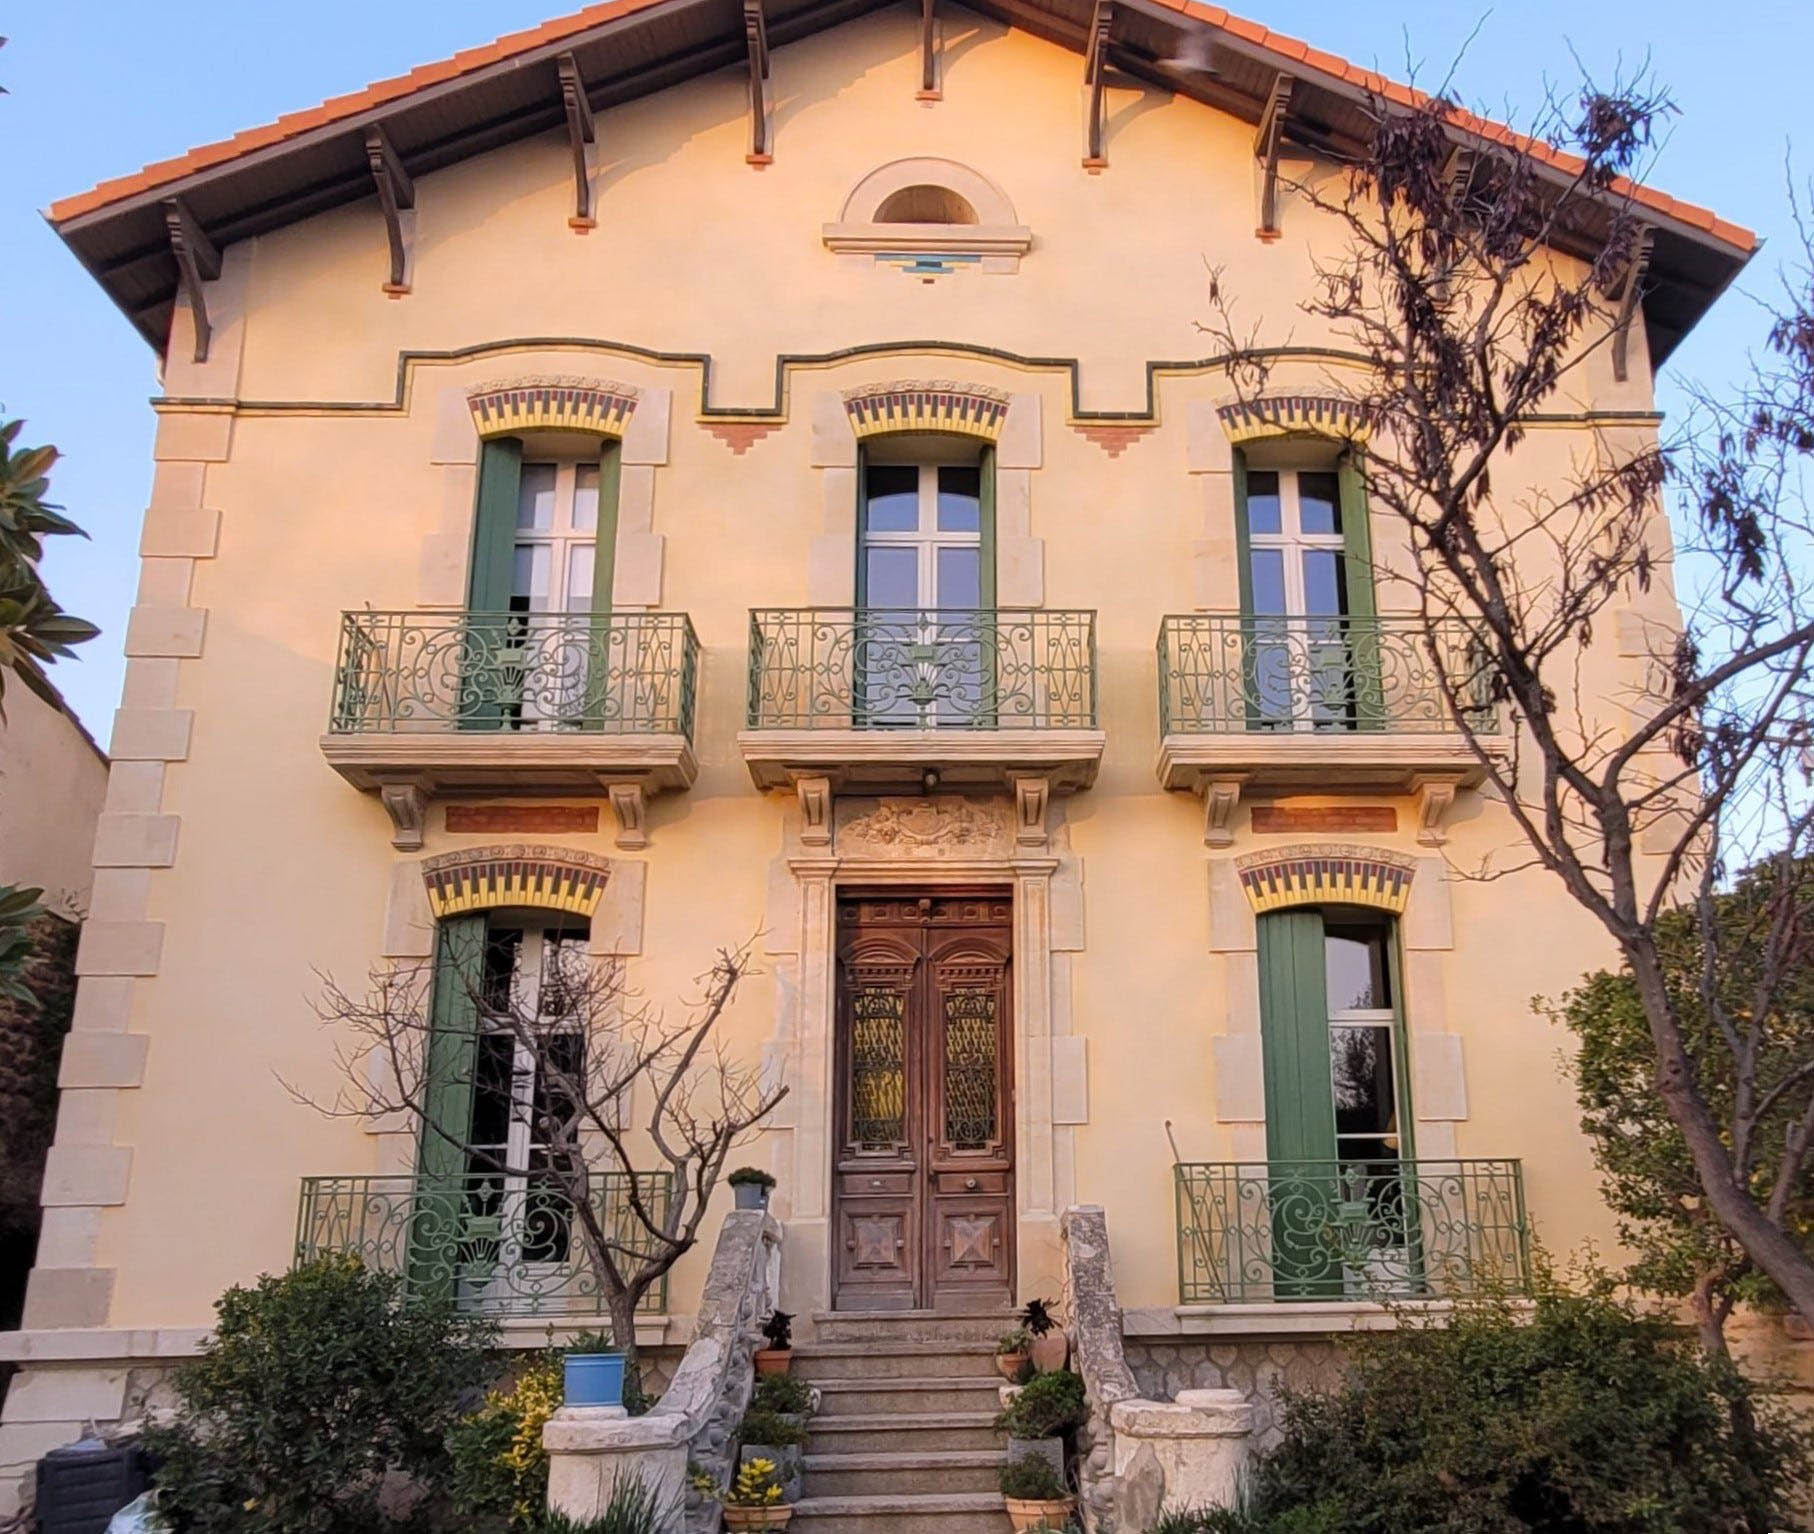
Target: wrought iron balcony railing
1221 674
621 673
1363 1230
501 1246
873 668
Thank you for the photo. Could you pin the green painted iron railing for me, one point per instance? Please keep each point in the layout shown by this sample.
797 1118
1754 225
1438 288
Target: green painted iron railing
901 668
1221 674
621 674
1366 1230
500 1246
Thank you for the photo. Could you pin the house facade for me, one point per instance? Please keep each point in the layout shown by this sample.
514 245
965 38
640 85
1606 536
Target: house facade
680 476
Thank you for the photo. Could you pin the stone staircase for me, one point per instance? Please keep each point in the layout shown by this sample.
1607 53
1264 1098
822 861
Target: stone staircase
902 1443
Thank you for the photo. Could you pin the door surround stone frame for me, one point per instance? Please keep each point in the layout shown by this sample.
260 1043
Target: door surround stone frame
949 842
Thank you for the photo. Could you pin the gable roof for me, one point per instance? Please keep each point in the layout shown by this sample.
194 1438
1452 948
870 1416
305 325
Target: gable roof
306 162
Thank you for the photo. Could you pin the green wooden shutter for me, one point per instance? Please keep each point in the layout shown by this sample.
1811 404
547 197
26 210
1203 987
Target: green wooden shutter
615 674
1243 549
861 585
485 680
1218 656
1364 650
494 526
604 555
985 518
450 1061
1300 1103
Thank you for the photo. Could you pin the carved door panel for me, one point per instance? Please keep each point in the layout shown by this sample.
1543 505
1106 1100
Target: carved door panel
924 1178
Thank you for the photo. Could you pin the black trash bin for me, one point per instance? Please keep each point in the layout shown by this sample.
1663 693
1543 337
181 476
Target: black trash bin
82 1486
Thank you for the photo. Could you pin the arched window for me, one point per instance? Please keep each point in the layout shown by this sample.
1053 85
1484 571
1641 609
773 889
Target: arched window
937 213
926 204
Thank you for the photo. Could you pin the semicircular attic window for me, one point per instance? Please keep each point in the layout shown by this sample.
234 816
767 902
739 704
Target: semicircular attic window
926 204
931 218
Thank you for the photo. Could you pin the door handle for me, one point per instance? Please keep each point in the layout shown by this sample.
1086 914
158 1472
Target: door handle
969 1185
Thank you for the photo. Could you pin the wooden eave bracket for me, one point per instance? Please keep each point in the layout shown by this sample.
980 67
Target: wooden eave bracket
396 192
1268 140
197 261
1095 64
929 89
755 32
581 131
1635 276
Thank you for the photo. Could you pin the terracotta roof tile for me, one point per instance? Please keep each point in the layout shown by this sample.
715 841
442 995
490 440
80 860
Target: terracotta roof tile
1290 49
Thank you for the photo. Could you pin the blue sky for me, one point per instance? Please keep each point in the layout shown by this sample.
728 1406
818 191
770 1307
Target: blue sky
99 87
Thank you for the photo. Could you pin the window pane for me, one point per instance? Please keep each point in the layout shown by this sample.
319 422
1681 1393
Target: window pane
585 498
1268 567
893 492
1354 968
501 949
893 578
1360 1061
1325 582
960 578
579 578
530 579
1319 503
1263 501
960 507
535 498
492 1069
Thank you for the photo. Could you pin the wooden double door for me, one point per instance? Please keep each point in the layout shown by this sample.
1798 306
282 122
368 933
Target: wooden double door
924 1173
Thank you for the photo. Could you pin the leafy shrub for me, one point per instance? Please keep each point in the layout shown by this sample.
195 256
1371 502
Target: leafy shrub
1047 1405
754 1176
1031 1478
1584 1417
1016 1341
313 1386
1036 1316
758 1484
770 1429
778 1331
500 1469
782 1393
633 1509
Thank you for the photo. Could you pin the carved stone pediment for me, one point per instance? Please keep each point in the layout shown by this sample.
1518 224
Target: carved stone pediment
930 827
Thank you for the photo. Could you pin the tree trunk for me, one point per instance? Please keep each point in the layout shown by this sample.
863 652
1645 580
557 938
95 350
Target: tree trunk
623 1335
1710 1314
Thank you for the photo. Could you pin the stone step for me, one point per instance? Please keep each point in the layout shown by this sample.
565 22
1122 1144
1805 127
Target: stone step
966 1393
944 1513
902 1475
905 1432
983 1324
891 1359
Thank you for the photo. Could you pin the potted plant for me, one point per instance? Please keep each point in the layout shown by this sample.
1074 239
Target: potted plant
592 1378
1011 1351
750 1187
778 1331
1042 1411
768 1437
755 1499
792 1400
1035 1493
1050 1348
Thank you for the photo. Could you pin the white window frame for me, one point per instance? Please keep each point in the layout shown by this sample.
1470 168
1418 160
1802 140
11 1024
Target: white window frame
563 537
1295 542
926 540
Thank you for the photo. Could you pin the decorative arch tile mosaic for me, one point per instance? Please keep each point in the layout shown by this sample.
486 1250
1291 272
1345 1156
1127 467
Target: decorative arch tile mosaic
1289 876
962 408
1320 415
552 405
553 879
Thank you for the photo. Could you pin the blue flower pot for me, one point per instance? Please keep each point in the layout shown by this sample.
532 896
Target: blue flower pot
593 1379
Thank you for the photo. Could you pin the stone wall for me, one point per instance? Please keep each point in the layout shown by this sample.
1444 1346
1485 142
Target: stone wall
1259 1367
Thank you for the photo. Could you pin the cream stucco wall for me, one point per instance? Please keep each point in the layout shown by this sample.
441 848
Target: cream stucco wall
332 467
52 779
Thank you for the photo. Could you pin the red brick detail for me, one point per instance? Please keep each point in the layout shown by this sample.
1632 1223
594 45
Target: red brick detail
1334 817
522 817
1113 440
738 435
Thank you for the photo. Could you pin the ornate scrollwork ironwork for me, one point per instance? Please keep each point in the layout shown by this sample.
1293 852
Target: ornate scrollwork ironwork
619 673
1221 674
1369 1230
498 1245
903 668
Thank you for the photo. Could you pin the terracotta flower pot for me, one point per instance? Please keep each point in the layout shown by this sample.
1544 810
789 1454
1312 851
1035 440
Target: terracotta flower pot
1010 1365
773 1361
776 1517
1050 1351
1032 1515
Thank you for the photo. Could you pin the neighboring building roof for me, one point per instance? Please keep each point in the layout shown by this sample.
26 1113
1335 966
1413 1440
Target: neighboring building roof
306 162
